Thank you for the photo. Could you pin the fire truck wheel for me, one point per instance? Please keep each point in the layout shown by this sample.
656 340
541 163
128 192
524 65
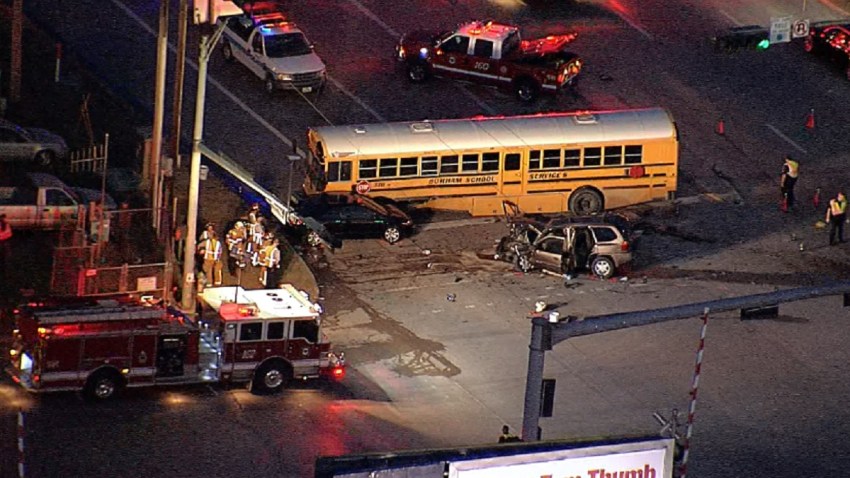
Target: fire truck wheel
417 72
271 377
103 385
526 89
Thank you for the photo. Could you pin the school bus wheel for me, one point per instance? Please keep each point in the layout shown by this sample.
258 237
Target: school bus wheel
586 201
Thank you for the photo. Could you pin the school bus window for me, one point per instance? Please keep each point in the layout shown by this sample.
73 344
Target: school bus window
429 165
409 167
339 171
634 154
470 163
448 164
512 162
389 168
490 162
368 168
572 158
551 158
592 156
613 155
320 152
534 159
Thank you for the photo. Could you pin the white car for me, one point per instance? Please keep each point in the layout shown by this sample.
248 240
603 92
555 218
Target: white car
30 144
275 50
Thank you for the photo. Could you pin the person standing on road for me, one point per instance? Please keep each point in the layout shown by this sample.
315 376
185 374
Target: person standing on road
270 261
790 171
836 214
5 247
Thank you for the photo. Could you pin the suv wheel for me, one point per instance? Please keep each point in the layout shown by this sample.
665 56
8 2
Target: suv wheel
227 51
603 267
417 72
526 90
392 234
522 263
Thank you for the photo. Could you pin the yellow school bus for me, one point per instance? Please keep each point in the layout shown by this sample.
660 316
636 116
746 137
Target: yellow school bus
583 162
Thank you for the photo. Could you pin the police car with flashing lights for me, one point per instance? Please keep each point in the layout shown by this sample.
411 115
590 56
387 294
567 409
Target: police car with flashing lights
275 50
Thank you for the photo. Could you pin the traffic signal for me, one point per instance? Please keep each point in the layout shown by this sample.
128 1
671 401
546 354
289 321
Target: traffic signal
751 37
208 11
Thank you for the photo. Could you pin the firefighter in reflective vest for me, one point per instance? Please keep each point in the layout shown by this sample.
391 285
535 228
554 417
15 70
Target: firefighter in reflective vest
257 231
836 214
790 171
269 260
212 259
236 239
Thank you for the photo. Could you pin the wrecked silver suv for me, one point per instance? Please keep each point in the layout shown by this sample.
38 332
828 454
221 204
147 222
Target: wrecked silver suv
601 243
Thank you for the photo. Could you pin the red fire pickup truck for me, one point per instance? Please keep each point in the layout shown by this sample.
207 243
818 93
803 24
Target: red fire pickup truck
492 54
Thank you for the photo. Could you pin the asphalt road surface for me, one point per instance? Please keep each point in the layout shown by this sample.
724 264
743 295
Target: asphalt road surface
429 372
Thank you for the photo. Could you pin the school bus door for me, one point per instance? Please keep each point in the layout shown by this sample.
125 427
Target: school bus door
512 183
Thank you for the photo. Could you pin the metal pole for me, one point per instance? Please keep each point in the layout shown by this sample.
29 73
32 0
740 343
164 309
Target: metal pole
188 296
179 75
534 380
292 158
692 407
158 111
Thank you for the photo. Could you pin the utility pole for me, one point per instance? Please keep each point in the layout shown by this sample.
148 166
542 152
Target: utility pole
189 279
158 113
205 48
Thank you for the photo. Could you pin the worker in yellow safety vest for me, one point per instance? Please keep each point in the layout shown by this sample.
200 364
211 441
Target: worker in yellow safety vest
836 214
212 259
269 260
790 172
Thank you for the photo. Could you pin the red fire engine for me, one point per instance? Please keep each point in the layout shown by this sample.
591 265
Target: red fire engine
265 337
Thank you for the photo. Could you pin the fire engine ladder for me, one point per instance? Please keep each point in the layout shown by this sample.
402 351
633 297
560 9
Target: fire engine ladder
278 208
96 314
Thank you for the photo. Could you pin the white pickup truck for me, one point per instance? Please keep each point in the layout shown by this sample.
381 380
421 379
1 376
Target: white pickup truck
275 50
42 201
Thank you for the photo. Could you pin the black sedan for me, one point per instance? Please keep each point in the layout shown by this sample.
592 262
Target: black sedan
832 40
353 216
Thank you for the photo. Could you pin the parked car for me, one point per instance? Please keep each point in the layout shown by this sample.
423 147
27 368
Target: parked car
352 216
831 40
40 201
601 244
30 144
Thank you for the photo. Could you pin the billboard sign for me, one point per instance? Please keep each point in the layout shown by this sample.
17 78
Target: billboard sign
646 459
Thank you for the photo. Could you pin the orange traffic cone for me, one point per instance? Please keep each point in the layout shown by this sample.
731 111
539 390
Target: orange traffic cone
720 128
810 119
816 198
